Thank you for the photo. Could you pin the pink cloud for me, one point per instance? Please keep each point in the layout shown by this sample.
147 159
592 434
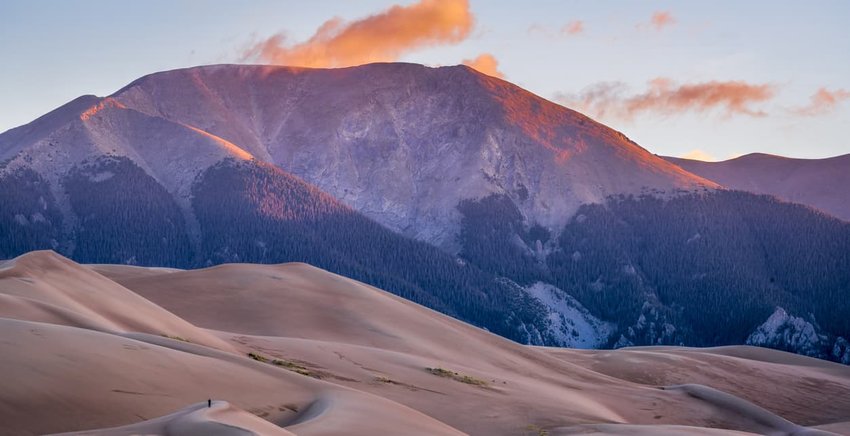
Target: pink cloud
823 101
665 97
573 28
661 19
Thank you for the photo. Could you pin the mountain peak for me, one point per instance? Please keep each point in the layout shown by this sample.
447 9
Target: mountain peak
430 137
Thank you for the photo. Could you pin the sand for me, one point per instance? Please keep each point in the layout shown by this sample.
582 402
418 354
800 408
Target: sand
135 350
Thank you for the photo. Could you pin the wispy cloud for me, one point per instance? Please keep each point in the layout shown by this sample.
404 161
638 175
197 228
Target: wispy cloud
485 63
658 21
665 97
573 28
382 37
822 102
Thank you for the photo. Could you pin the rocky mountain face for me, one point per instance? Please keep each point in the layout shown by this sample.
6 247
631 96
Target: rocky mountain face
819 183
456 190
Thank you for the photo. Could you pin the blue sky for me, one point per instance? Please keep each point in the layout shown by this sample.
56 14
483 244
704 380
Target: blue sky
773 55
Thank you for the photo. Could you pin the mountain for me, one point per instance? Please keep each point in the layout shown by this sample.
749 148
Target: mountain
401 143
456 190
292 349
201 166
819 183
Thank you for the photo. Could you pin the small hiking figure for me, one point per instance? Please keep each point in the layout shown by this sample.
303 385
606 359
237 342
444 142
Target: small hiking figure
209 402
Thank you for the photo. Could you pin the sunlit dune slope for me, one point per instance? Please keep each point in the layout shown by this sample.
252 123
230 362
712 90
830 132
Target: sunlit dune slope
44 286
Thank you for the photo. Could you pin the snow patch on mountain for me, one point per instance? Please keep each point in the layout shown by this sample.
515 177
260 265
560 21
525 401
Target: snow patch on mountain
570 322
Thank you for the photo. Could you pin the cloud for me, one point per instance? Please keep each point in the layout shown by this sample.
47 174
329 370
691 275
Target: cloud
697 154
823 101
573 28
665 97
382 37
659 20
485 63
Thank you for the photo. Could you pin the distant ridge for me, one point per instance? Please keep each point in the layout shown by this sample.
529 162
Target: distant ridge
819 183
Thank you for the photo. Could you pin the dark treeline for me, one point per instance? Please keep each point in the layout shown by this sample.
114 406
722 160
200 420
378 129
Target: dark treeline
29 218
494 238
726 258
713 265
125 216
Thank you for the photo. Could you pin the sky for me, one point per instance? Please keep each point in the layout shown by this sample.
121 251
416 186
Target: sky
709 80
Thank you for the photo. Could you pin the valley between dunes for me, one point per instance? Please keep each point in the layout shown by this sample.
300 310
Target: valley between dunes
292 349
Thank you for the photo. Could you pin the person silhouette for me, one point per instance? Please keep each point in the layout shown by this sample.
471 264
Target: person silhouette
209 402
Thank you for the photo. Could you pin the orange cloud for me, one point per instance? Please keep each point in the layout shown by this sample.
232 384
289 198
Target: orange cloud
573 28
823 101
659 20
382 37
485 63
665 97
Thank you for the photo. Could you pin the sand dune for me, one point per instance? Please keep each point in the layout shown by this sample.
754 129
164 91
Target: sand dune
64 378
806 391
84 348
44 286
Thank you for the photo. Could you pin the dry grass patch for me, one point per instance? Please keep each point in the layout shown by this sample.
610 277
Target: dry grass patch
286 364
463 378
